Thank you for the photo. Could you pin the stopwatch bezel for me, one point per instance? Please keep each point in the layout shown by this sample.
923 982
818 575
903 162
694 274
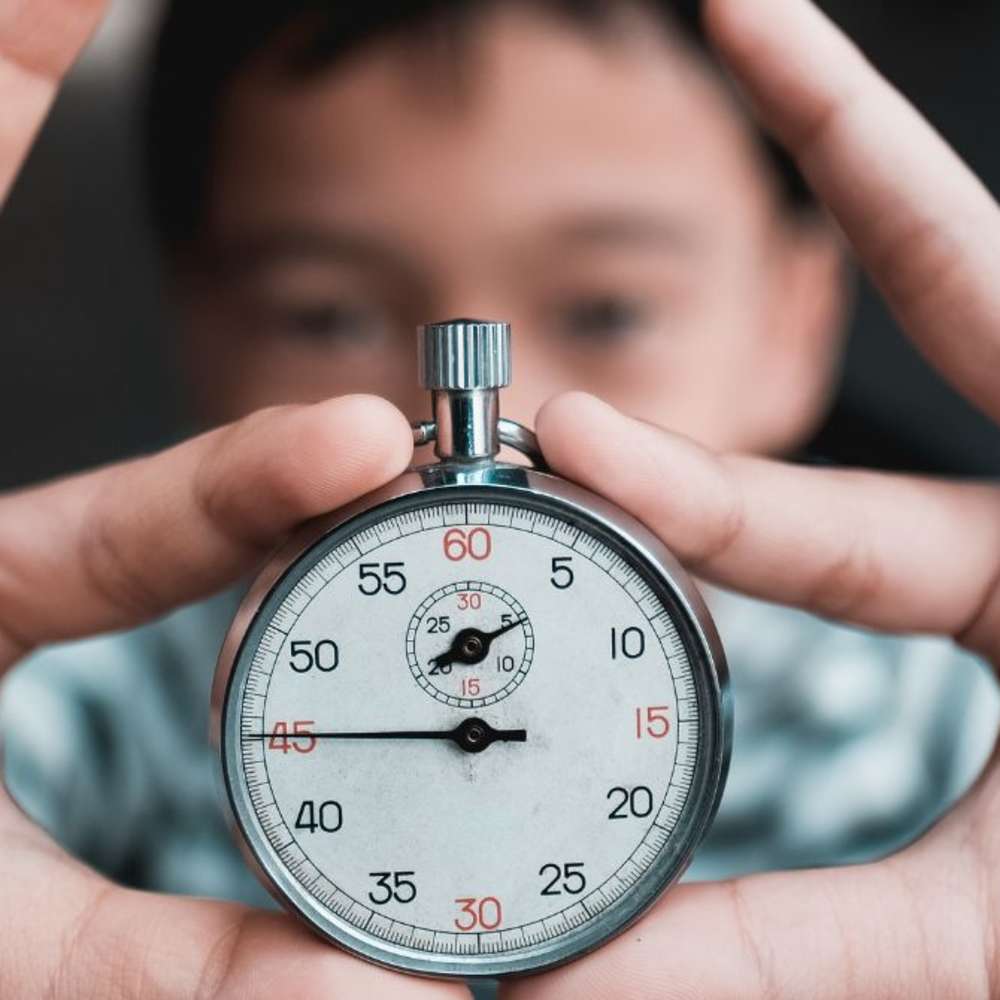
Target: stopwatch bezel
442 483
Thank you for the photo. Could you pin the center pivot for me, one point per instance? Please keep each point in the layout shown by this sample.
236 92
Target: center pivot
475 735
473 646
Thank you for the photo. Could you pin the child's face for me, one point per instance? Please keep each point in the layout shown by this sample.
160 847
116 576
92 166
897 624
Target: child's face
602 194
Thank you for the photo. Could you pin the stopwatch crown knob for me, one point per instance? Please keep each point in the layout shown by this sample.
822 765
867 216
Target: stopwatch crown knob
464 354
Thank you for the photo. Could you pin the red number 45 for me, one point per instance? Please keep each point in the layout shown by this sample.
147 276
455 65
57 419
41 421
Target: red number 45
301 739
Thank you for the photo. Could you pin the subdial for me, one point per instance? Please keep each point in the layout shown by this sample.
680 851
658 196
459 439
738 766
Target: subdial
469 644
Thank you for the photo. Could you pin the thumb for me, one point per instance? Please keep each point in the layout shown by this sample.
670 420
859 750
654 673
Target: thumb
884 931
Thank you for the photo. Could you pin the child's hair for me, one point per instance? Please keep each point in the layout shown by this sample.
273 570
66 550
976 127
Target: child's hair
202 46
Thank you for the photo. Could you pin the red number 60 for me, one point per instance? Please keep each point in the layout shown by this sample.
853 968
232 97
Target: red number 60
459 544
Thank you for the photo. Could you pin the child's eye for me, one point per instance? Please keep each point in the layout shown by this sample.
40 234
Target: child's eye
602 318
328 321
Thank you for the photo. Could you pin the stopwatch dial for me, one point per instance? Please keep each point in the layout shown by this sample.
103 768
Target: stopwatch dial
469 644
513 816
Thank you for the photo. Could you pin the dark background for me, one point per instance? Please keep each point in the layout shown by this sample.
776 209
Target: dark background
86 373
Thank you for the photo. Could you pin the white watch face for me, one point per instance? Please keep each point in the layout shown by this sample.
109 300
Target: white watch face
464 732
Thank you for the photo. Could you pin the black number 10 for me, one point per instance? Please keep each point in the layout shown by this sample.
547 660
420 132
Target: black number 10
631 643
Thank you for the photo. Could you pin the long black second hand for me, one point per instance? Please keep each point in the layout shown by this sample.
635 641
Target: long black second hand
472 734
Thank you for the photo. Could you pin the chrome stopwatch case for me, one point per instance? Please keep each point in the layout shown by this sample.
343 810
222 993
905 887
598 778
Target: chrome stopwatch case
477 722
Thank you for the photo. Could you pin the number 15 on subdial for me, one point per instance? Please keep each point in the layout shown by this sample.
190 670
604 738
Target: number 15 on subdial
470 644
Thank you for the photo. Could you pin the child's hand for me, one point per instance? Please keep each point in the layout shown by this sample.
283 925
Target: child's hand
108 549
903 554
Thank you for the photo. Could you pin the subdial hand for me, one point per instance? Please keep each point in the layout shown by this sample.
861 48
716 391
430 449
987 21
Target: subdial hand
471 735
472 645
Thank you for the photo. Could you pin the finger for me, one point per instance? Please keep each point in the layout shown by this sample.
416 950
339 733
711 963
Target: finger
892 931
927 229
138 945
67 932
39 39
890 552
110 548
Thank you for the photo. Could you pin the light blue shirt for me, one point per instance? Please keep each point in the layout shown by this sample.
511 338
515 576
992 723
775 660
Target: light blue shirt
847 745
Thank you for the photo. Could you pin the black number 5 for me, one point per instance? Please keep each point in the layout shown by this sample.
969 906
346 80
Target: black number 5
562 574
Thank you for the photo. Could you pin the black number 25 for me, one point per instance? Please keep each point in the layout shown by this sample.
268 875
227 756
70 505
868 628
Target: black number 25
563 878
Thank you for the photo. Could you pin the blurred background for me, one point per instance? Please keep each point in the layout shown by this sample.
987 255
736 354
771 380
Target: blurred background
86 373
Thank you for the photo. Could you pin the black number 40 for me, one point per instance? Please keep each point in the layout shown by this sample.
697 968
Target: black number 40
325 816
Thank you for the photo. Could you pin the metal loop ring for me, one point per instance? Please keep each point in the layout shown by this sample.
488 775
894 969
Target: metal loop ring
511 433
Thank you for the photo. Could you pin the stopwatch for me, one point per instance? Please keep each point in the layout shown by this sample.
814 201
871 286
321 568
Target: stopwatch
475 723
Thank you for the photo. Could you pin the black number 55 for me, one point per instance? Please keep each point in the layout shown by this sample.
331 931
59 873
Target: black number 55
376 577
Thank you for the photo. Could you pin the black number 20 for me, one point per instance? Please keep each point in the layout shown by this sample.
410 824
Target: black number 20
637 802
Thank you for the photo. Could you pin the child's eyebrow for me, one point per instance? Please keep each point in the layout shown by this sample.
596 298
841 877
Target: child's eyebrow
630 227
254 250
246 252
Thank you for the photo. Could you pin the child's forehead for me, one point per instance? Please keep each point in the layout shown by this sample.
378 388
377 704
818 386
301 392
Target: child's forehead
519 77
544 116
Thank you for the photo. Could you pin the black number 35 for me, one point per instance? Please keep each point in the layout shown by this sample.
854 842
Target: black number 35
392 885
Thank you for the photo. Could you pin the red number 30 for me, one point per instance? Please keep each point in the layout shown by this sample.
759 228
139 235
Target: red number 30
486 913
